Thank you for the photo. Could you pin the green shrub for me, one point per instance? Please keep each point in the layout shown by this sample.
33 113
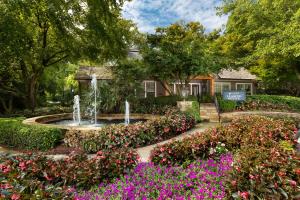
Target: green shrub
194 111
271 102
227 105
155 105
15 134
265 162
133 135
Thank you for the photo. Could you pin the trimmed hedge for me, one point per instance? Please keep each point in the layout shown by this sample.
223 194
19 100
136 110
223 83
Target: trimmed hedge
15 134
227 105
265 166
36 177
194 111
133 135
271 102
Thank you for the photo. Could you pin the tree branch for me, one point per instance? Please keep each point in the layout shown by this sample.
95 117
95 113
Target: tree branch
58 60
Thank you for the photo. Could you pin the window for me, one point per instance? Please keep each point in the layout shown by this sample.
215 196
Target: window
245 87
150 89
220 87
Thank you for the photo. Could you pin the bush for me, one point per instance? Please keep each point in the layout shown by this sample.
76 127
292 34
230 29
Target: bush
227 105
271 102
133 135
265 164
194 111
30 176
155 105
15 134
41 111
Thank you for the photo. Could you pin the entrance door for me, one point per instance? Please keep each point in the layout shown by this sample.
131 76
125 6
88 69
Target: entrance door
195 89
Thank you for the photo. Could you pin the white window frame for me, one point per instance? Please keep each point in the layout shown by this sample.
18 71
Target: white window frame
251 88
223 83
191 88
145 87
190 85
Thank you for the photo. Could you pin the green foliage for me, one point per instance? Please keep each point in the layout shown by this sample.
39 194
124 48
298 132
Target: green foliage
194 111
178 53
271 102
37 35
227 105
15 134
261 35
44 178
155 104
133 135
260 146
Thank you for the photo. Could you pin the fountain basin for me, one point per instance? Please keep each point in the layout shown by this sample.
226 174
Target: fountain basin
65 120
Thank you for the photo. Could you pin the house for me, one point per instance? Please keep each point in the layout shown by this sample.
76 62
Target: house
226 80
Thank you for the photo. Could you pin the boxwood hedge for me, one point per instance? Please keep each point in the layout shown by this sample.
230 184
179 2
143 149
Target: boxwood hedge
15 134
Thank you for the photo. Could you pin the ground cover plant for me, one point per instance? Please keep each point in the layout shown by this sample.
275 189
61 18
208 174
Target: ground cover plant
265 163
36 177
133 135
271 103
13 133
198 180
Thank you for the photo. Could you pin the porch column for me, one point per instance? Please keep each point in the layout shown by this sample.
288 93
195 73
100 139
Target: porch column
212 87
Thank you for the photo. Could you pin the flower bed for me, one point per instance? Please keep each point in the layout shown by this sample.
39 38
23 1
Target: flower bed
265 164
271 103
199 180
133 135
31 177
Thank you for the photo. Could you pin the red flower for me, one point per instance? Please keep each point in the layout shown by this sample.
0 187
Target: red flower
297 171
166 129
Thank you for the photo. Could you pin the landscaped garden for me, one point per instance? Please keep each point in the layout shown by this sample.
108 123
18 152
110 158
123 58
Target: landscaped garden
262 103
94 107
251 157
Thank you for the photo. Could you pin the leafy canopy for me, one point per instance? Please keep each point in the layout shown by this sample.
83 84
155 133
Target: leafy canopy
263 35
180 52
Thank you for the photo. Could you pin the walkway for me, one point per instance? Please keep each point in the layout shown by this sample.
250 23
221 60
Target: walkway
144 152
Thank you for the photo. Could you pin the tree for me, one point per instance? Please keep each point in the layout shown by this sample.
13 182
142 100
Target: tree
179 53
37 34
263 36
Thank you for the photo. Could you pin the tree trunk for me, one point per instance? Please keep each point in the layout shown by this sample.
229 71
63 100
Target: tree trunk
31 93
7 105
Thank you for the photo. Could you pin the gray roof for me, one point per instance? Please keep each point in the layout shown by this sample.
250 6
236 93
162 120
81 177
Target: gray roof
85 73
241 73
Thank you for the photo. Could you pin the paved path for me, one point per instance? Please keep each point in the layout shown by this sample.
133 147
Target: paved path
144 152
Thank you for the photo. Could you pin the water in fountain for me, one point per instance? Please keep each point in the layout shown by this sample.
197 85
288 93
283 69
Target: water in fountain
127 119
76 110
94 90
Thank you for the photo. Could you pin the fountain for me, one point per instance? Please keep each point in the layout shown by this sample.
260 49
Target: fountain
76 110
127 119
94 90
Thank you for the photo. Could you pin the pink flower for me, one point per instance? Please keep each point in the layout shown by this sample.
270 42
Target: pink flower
15 197
293 183
22 165
244 195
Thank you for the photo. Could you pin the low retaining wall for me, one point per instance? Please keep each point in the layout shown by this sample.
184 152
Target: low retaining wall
227 117
45 120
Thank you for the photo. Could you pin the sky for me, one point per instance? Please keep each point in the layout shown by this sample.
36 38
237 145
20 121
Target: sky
149 14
